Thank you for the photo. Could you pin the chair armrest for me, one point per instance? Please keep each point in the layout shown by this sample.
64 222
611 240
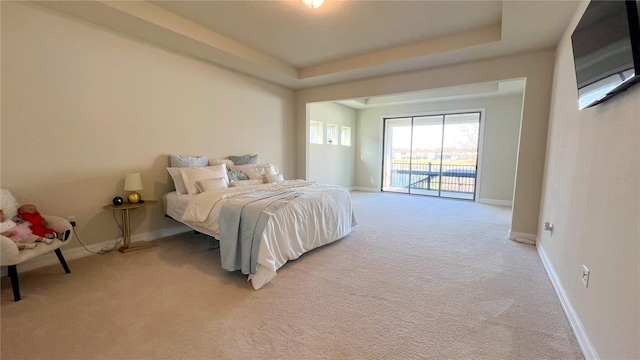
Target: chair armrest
9 251
58 223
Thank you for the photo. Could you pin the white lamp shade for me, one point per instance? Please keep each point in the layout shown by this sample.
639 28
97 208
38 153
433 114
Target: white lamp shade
313 3
133 182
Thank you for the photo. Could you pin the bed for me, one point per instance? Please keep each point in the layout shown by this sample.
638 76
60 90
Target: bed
296 216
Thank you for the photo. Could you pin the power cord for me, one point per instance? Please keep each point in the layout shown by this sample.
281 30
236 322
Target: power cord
105 249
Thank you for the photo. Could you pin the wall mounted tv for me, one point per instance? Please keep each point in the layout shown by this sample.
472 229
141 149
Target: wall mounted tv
606 50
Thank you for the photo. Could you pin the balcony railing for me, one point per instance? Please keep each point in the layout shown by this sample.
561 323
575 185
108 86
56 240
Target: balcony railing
453 178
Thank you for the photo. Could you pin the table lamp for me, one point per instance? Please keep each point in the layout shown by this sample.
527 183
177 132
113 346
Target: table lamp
133 183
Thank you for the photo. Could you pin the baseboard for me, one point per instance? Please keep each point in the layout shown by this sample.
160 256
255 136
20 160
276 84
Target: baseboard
365 189
585 344
506 203
80 252
529 239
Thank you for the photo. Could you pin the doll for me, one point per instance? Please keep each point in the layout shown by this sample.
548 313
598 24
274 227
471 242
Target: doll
20 233
39 226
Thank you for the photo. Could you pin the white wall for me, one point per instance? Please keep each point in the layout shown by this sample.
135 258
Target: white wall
535 67
501 124
83 106
592 196
332 163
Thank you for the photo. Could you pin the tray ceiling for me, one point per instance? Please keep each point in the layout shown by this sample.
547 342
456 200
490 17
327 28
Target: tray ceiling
286 43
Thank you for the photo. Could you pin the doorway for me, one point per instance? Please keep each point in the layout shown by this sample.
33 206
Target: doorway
434 155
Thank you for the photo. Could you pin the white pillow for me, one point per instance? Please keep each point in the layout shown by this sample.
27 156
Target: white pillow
211 184
249 166
221 161
273 178
256 171
178 182
191 175
188 161
245 183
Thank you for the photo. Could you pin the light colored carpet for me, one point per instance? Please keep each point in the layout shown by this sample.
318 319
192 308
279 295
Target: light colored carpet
417 278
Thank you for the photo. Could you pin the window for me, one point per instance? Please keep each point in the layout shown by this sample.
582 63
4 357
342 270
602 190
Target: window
315 132
332 134
345 136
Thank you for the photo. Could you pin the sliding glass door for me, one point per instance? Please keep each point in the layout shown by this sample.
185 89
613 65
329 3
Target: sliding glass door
397 154
426 152
432 155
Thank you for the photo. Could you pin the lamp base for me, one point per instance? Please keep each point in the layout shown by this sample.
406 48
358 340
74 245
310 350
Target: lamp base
134 197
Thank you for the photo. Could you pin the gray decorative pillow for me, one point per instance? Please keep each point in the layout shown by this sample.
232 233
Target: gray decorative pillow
245 159
237 175
188 161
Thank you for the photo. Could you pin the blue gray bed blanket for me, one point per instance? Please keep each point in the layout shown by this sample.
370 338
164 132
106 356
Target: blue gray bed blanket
242 222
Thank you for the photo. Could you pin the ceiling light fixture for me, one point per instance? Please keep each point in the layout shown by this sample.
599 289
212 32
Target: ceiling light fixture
313 3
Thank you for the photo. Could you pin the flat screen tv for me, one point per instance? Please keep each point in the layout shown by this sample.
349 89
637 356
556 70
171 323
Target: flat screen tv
606 50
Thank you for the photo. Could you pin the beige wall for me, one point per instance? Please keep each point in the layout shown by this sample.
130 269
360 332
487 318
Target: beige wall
332 163
536 67
592 196
499 146
83 106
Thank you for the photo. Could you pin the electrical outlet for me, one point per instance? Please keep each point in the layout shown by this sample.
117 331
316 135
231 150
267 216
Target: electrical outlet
585 276
72 220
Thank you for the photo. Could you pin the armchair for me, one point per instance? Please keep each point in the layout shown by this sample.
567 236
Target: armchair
11 256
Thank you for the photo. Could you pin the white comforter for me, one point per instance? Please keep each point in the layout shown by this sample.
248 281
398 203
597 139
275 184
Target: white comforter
321 215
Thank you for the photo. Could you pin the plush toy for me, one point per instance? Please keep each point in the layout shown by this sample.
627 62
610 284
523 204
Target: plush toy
39 225
20 233
8 204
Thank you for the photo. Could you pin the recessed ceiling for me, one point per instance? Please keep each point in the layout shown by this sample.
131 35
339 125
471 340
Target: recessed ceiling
470 91
289 44
338 30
